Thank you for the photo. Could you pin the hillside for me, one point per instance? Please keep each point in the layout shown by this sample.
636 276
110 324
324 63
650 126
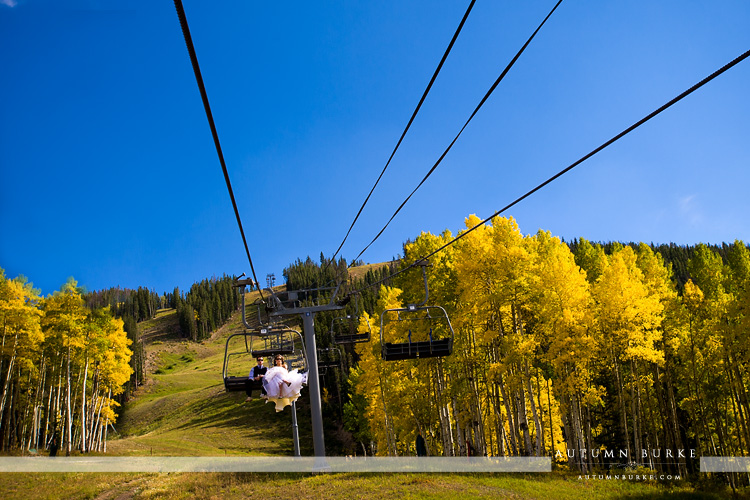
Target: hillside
184 410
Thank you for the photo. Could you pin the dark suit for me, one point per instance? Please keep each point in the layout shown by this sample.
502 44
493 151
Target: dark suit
255 384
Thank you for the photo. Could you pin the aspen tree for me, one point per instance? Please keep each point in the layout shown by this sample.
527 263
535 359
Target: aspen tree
563 309
629 318
21 337
738 284
63 323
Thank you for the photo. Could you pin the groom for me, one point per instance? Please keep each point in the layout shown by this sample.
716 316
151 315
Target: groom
254 379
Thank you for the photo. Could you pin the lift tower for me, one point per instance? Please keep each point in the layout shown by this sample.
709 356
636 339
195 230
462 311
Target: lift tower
306 303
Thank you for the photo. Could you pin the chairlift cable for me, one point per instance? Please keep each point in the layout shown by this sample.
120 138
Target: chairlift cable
481 103
199 79
408 125
622 134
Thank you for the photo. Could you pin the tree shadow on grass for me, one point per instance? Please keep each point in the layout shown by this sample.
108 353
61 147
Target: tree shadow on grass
252 422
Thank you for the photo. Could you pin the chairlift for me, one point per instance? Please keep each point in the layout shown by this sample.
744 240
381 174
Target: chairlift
346 329
266 341
428 330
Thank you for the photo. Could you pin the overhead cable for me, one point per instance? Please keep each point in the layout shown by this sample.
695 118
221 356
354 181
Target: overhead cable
209 115
570 167
481 103
408 125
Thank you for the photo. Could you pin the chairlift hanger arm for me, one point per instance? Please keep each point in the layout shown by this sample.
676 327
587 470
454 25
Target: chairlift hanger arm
423 264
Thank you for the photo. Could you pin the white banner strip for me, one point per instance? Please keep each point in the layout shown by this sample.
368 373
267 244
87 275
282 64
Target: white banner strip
275 464
725 464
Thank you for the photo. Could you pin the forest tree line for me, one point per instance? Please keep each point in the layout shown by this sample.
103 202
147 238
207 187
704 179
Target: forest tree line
61 366
205 307
564 348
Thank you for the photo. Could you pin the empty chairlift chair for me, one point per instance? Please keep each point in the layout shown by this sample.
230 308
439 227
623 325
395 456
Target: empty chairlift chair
348 330
425 331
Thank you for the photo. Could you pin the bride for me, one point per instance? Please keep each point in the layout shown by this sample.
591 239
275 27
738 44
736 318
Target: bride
282 386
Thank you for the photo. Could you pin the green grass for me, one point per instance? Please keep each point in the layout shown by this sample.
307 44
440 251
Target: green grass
366 486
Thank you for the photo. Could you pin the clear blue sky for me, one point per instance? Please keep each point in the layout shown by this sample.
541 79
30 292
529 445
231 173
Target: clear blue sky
108 171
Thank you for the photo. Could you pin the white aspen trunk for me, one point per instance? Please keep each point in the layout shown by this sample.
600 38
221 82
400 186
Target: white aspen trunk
83 406
6 388
578 433
512 428
589 439
98 426
502 438
449 443
391 449
76 433
534 414
25 418
489 420
97 403
480 445
621 399
99 436
522 420
634 412
11 420
37 406
58 394
551 429
48 412
8 378
742 399
68 413
570 436
459 434
444 413
90 431
93 403
541 410
106 424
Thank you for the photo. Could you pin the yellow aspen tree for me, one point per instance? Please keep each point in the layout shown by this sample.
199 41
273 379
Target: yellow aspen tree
478 339
662 380
436 376
563 309
63 324
697 350
21 338
629 317
108 351
709 274
591 259
738 285
494 273
374 381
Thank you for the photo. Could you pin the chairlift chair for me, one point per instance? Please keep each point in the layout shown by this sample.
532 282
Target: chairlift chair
346 329
434 317
277 339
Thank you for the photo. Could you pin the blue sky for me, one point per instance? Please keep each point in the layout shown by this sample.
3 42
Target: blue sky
108 172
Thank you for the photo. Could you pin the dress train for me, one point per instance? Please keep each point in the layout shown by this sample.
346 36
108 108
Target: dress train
291 384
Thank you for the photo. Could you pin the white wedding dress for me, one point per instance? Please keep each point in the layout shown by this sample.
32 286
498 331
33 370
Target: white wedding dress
286 394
